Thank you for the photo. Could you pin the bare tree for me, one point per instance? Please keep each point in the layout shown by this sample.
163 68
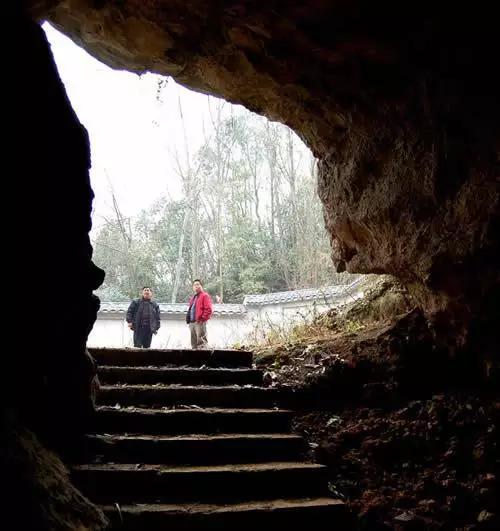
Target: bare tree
126 235
189 174
222 143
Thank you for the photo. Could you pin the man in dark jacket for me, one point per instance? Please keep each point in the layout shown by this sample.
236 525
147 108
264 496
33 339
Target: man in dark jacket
143 317
199 312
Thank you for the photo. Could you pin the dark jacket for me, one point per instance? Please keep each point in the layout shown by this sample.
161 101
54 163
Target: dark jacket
203 310
136 310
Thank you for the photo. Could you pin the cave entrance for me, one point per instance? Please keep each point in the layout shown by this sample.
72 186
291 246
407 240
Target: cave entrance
190 186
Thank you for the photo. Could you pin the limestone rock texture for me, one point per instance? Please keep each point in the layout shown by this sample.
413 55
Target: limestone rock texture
48 305
398 102
39 495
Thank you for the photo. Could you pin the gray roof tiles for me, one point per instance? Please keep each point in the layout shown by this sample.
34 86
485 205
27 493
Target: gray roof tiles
172 309
314 294
325 294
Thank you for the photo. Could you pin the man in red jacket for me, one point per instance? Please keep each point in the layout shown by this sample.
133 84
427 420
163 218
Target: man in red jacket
199 312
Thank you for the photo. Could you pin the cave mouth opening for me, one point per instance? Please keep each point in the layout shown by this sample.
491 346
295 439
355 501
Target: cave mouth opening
190 186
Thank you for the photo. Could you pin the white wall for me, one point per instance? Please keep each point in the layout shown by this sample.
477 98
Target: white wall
111 330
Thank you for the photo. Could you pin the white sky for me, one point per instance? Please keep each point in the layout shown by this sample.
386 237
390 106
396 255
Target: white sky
133 136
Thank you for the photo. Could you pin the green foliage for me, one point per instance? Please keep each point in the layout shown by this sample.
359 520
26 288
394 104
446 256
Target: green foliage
251 221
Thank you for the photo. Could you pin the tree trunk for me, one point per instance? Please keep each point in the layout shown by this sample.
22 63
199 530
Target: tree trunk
178 267
195 240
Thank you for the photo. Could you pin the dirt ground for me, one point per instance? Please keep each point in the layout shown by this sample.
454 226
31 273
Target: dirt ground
409 435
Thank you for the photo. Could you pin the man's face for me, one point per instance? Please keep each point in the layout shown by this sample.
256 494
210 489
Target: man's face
147 293
197 287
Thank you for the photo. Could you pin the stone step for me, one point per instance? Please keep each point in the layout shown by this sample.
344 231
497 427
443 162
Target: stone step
195 449
131 483
175 357
276 514
186 421
178 375
174 395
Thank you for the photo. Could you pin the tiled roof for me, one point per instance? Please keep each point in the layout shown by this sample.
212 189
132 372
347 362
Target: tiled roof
314 294
172 309
326 294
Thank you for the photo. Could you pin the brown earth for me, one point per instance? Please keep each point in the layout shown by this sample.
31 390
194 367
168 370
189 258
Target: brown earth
409 436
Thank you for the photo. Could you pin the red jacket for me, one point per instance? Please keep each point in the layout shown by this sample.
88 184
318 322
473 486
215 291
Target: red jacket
203 310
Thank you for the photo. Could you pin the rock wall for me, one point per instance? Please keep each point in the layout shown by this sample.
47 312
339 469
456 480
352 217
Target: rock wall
50 376
47 372
38 494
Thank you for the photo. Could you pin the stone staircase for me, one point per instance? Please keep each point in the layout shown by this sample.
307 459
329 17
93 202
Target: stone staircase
191 440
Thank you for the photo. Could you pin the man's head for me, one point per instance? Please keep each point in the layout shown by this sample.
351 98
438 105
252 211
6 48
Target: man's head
197 286
147 293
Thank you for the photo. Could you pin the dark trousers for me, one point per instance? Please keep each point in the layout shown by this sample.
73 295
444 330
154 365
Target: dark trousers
142 337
